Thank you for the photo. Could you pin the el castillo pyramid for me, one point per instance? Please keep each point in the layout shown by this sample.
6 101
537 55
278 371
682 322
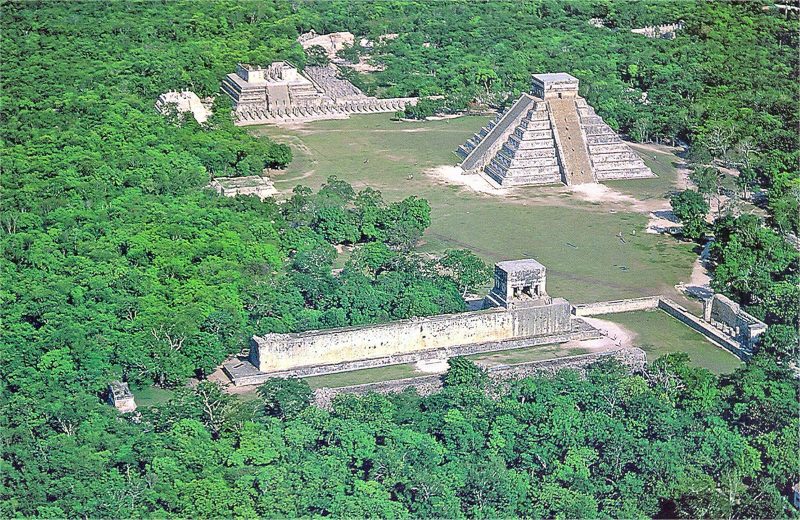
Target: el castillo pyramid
550 136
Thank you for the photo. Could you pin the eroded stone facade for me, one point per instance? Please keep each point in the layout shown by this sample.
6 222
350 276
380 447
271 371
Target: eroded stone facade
261 187
664 31
184 102
121 397
728 316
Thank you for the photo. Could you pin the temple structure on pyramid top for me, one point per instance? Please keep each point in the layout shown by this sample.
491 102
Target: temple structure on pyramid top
550 136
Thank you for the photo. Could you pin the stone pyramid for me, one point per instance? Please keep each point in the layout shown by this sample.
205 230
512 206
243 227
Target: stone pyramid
550 136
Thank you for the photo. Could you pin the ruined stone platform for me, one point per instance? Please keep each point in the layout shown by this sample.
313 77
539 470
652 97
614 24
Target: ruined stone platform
258 185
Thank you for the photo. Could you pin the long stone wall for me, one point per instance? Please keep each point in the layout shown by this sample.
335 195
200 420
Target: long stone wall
634 358
243 373
617 306
283 352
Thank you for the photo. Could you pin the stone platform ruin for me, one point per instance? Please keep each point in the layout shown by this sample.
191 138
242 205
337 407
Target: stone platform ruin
280 93
184 102
258 185
550 136
518 313
121 397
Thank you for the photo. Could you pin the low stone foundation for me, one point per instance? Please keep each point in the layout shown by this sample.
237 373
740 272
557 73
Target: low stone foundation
634 358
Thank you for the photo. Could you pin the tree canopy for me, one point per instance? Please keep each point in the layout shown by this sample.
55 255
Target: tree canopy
116 263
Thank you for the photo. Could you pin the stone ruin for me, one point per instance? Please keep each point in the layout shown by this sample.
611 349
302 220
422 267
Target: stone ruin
726 315
550 136
257 185
664 31
597 22
121 397
518 313
183 102
281 93
332 42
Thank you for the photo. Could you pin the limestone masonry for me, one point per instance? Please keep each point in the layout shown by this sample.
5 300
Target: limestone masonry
665 31
727 315
518 313
332 43
183 102
281 93
121 397
257 185
550 136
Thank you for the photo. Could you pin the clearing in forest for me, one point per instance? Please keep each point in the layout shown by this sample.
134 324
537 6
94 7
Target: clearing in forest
593 241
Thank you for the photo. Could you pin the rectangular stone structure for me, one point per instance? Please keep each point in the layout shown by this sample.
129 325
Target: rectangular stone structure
558 85
282 352
280 92
728 316
121 397
519 282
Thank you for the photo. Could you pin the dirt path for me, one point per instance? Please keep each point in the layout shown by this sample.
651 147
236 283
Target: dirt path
699 285
616 334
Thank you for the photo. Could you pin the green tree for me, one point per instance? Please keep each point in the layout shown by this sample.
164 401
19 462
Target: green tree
691 208
285 398
466 269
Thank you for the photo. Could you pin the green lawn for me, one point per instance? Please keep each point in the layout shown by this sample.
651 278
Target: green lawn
372 375
663 164
575 240
152 395
359 377
659 334
524 355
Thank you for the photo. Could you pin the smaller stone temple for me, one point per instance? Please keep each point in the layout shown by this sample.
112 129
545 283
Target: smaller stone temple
281 93
550 136
121 397
728 316
518 283
331 42
183 102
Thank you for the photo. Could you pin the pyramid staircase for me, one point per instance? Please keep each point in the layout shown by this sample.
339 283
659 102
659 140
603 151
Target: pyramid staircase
465 149
529 155
611 157
573 152
482 146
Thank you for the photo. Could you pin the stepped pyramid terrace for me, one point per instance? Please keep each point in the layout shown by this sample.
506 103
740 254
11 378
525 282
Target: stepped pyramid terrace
550 136
282 93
